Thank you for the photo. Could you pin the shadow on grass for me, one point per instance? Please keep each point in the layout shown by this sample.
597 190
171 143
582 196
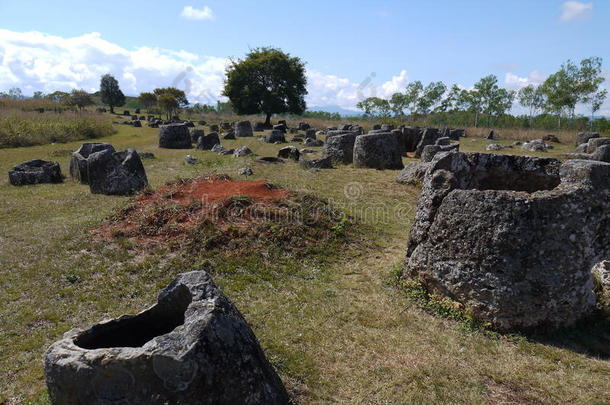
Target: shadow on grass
590 337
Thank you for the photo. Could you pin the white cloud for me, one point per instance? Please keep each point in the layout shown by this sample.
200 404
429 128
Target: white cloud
35 61
572 10
515 82
191 13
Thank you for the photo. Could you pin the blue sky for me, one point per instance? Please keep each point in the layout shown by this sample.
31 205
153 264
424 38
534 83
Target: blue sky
343 43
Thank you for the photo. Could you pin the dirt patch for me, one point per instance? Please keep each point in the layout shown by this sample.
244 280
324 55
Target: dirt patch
217 213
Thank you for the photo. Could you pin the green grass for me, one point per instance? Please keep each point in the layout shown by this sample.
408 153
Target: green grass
330 322
19 128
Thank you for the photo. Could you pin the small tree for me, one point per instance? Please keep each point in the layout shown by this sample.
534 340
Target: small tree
147 100
375 106
532 99
111 94
59 97
80 99
414 90
169 104
431 95
267 81
177 94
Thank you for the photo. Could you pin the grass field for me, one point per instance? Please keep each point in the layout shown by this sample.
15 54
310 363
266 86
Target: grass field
334 325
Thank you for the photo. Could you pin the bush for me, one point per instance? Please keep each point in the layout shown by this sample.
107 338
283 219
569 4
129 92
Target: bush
20 128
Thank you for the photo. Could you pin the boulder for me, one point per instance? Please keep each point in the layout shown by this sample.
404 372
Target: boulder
116 173
594 143
601 275
175 136
584 137
340 148
229 135
551 138
195 134
126 113
35 172
303 126
137 124
189 124
146 155
456 134
376 127
536 145
280 127
387 128
602 154
275 136
443 141
322 163
310 134
202 123
494 147
259 126
192 347
430 151
289 152
512 238
191 160
377 151
309 142
207 142
413 173
241 152
214 128
78 160
411 136
428 137
243 129
490 135
245 171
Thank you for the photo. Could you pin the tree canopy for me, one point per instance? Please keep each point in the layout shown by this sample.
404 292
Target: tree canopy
267 81
111 94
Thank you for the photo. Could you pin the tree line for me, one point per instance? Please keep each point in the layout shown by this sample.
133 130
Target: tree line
558 95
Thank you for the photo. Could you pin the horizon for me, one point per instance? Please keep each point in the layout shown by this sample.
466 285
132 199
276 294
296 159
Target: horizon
41 53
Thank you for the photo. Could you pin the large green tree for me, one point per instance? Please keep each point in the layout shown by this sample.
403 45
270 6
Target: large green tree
111 94
267 81
531 98
147 100
80 99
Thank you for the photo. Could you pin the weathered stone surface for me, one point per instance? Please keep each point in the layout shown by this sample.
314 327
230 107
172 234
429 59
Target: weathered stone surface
275 136
322 163
137 124
377 151
207 142
214 128
192 347
309 142
513 238
303 126
595 143
116 173
602 154
443 141
387 127
491 135
280 127
195 134
78 160
175 136
551 138
226 126
536 145
259 126
601 276
310 134
428 137
494 147
35 172
456 134
243 151
245 171
430 151
411 138
289 152
340 148
191 160
584 137
413 173
243 129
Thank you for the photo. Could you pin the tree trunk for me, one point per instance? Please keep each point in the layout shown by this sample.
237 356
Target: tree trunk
268 120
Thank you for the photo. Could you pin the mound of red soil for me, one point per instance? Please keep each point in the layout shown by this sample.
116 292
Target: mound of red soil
210 189
176 209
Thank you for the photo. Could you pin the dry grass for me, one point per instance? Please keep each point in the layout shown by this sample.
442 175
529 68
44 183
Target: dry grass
337 330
